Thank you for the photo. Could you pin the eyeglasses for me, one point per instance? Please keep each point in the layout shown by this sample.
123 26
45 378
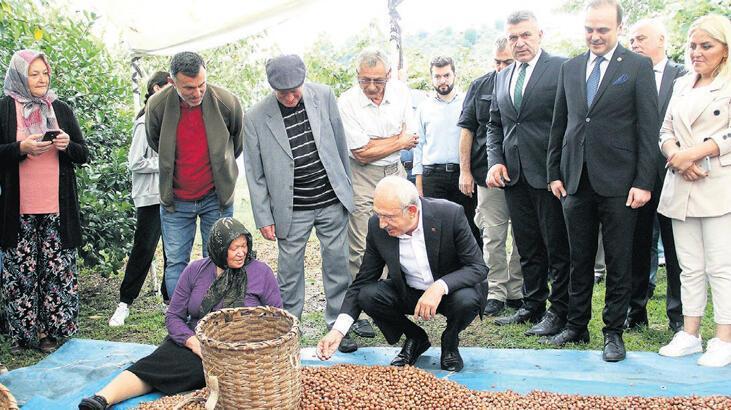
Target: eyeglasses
389 218
375 81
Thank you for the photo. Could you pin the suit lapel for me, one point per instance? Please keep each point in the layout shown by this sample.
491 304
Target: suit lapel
275 122
666 86
506 79
582 73
701 102
313 113
612 68
432 236
535 77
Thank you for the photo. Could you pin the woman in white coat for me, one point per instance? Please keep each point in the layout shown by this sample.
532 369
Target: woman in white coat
696 139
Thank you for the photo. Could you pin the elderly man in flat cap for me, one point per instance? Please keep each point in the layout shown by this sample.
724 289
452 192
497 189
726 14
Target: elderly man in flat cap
296 160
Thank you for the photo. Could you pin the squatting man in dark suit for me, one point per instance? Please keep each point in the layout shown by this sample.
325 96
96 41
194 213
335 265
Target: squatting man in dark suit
434 266
601 157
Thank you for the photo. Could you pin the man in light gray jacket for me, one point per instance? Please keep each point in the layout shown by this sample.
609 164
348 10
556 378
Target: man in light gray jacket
296 161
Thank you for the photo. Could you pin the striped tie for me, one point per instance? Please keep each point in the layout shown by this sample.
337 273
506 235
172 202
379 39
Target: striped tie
518 92
592 83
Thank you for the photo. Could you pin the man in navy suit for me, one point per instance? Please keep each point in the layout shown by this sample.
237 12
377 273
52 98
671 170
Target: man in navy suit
517 141
601 165
648 38
434 266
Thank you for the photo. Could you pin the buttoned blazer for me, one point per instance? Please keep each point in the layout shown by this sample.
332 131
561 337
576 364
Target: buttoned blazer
451 249
518 139
690 121
615 136
268 157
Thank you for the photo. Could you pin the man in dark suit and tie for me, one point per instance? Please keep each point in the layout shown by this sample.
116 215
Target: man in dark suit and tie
517 141
434 266
601 164
648 38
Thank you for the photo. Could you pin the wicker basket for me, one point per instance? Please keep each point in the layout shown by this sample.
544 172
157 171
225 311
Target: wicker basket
7 401
251 358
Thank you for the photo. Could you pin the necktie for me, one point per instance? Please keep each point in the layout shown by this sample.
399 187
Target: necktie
592 83
518 92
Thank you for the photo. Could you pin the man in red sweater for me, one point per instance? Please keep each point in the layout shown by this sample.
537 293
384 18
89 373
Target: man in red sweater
196 128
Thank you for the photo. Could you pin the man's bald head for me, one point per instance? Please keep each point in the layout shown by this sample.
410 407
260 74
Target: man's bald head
395 202
648 37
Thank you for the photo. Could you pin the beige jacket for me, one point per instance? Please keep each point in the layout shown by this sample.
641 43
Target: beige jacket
693 116
223 117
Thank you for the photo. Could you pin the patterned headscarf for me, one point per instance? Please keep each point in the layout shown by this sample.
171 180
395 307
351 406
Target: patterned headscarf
230 286
38 115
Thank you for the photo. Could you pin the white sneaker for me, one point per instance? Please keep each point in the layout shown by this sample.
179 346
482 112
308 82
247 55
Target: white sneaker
683 344
119 315
718 354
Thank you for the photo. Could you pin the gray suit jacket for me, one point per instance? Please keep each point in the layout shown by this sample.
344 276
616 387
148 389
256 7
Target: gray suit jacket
268 157
669 75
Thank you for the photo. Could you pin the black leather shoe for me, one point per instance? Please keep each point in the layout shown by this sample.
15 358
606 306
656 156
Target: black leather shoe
613 348
411 351
363 328
550 325
451 361
347 344
493 307
566 336
521 316
514 303
93 403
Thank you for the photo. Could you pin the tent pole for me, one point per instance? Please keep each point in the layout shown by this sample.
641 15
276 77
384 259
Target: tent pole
137 74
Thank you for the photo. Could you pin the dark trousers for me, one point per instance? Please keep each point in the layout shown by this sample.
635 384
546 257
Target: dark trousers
583 212
147 234
641 263
540 235
445 185
388 308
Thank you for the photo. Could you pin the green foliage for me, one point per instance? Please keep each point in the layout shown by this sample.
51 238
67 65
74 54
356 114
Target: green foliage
86 77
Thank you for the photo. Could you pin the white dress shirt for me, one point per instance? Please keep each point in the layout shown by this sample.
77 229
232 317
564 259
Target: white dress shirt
363 120
603 67
414 265
659 68
528 71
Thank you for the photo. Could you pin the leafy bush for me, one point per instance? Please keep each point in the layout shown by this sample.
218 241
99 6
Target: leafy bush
94 84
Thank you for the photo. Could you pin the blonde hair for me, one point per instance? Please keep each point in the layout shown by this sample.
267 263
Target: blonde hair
719 28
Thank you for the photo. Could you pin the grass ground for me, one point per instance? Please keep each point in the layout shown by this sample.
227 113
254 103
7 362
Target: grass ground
99 297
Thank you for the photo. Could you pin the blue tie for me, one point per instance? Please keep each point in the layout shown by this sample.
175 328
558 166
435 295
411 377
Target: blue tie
592 83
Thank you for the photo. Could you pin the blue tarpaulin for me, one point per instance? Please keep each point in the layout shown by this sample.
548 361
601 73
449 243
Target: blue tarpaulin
81 367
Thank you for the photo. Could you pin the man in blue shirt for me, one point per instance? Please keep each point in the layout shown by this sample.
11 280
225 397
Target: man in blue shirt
436 156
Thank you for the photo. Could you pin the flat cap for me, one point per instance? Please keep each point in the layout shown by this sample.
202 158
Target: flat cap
285 72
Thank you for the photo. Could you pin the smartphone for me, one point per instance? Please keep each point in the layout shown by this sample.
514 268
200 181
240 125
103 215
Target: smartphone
706 164
50 135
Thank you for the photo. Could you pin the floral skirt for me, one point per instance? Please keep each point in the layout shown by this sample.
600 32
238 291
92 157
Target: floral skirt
38 283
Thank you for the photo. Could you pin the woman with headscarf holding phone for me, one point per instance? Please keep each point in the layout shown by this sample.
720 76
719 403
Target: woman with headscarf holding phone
229 277
40 144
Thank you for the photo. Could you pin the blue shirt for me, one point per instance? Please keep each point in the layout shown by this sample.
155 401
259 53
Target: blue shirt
436 122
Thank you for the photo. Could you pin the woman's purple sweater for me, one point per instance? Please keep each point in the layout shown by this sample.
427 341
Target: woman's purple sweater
184 310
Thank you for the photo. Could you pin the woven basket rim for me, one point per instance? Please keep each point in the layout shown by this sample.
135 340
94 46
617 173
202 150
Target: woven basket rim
293 332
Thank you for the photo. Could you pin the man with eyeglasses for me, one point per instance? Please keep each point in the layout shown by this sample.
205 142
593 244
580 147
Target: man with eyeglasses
505 278
378 119
434 266
517 139
297 173
436 157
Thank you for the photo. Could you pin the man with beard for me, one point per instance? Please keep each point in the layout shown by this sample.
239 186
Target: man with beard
436 157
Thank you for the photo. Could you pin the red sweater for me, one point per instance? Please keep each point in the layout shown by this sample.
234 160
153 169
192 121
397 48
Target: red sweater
192 178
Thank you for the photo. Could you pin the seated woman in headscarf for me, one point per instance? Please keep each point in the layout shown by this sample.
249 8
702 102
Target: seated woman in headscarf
228 277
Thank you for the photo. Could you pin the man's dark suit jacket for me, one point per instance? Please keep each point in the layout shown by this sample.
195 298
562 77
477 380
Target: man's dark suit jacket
451 248
521 138
669 75
474 117
616 137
